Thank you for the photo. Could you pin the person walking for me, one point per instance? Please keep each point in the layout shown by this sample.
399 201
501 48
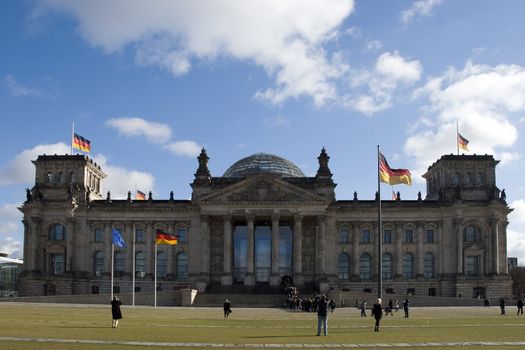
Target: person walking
227 308
115 311
502 305
406 303
363 308
377 312
520 306
322 314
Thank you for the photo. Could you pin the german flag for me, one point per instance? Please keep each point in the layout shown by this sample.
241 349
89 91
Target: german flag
462 142
81 143
140 196
165 238
393 176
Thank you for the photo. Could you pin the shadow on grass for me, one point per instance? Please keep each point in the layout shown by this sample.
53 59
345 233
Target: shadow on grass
280 336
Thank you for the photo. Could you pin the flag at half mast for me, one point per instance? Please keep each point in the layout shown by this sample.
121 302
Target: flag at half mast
165 238
393 176
462 142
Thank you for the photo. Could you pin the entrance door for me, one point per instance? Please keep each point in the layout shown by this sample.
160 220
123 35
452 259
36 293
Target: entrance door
263 253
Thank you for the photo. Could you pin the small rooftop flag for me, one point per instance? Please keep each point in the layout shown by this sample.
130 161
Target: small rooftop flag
394 196
117 238
165 238
393 176
81 143
462 142
140 195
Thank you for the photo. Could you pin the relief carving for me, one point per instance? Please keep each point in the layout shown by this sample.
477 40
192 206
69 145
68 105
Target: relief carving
263 191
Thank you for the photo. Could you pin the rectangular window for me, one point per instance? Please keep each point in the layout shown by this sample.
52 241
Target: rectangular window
140 235
387 236
183 237
57 264
472 267
365 236
98 235
343 236
409 236
430 236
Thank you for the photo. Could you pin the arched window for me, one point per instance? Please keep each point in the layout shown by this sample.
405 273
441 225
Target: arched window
57 232
365 266
182 267
72 178
162 264
456 179
387 266
343 266
472 234
98 263
140 235
479 179
60 177
120 263
49 177
428 265
140 264
408 266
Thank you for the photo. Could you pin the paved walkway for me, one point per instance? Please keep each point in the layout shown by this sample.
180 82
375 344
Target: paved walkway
290 346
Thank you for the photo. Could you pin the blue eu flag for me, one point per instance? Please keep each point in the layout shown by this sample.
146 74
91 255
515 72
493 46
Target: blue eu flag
117 238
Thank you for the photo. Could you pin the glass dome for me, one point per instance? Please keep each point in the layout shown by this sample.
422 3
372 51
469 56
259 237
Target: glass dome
263 163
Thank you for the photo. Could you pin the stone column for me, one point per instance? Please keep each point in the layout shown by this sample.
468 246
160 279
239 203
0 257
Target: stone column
227 278
505 269
398 271
128 235
494 224
108 245
420 255
356 232
275 278
298 249
170 268
320 233
150 249
459 246
205 246
249 278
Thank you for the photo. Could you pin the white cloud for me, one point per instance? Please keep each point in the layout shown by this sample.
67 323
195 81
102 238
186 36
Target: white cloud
516 231
374 45
120 180
11 235
419 8
17 89
486 101
184 148
391 72
20 170
286 38
137 127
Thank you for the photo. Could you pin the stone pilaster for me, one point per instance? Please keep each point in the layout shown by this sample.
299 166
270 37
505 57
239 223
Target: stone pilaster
398 262
459 246
356 232
298 249
227 278
420 230
275 278
249 279
320 246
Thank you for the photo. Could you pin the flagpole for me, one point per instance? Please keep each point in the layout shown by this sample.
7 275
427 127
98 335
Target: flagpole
72 138
155 287
457 135
134 268
112 267
380 233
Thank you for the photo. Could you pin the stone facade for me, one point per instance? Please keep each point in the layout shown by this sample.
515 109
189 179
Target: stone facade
249 229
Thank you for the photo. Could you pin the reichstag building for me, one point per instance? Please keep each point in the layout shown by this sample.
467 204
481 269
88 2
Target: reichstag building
264 219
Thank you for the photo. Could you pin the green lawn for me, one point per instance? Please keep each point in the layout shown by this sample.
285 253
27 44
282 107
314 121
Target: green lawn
249 326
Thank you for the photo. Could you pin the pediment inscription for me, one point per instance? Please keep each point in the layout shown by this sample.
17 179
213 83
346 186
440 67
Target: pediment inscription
263 191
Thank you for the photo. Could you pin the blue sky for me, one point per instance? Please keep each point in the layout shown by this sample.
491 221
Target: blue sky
152 82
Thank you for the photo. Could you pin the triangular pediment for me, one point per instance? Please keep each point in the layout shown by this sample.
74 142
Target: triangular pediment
262 188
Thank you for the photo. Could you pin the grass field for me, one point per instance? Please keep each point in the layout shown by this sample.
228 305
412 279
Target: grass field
55 325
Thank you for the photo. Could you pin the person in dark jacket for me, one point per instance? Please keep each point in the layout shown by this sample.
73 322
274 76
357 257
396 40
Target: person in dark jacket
520 306
115 311
227 308
502 305
377 312
406 304
322 314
